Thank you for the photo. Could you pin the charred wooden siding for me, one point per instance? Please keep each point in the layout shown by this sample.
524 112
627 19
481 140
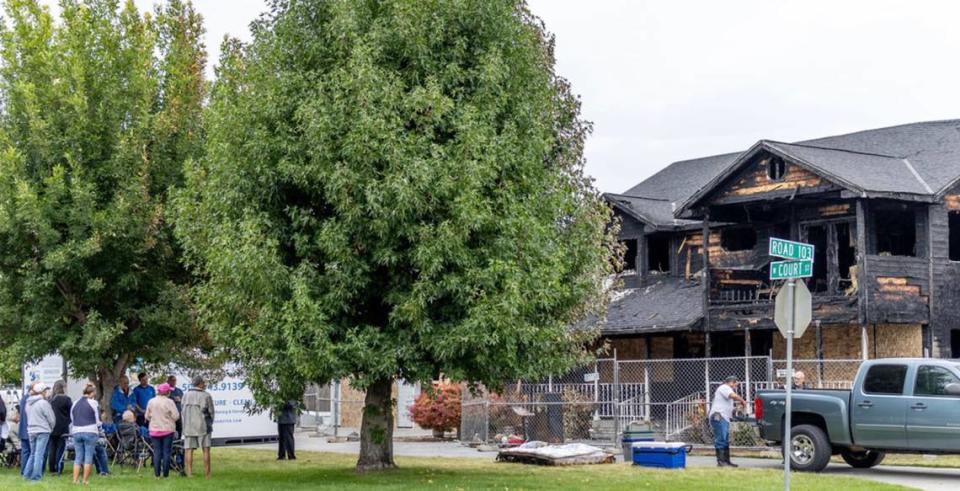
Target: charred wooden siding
753 182
826 309
899 289
945 298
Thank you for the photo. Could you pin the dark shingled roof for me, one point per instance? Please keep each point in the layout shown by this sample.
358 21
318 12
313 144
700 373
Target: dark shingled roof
668 304
919 159
655 212
679 180
655 200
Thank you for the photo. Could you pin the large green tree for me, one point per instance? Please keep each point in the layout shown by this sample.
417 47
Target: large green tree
99 112
394 190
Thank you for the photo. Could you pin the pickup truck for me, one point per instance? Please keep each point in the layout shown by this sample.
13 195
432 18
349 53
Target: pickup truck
895 405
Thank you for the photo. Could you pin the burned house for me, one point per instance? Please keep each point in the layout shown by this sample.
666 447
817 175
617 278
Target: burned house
882 208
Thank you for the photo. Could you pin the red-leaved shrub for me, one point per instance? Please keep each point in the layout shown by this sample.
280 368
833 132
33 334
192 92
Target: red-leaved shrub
438 409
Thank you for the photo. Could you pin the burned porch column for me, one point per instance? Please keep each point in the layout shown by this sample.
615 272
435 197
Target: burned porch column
706 301
862 292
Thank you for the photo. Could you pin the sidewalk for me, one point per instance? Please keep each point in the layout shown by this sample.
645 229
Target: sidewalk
307 441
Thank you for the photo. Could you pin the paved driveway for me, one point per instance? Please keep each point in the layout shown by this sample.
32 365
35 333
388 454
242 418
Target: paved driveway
927 478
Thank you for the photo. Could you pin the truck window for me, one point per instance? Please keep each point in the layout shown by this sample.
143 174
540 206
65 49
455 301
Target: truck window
885 379
932 381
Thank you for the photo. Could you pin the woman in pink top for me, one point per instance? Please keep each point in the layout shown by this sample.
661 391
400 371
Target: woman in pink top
162 415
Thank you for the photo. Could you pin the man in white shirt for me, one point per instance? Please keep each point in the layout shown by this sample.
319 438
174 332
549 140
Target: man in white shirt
721 411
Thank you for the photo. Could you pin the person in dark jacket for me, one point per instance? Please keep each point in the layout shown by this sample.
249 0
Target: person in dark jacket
22 433
3 419
61 404
286 421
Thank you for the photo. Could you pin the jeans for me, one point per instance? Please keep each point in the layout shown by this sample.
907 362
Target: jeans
162 446
24 455
84 445
721 431
100 460
55 450
38 450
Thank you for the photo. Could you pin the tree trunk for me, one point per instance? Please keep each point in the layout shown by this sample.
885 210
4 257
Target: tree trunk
376 430
107 378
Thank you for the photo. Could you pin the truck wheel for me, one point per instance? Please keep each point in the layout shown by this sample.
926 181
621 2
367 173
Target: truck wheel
810 449
862 460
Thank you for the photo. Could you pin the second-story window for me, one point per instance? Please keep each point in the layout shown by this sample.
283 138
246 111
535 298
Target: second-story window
776 168
738 239
630 255
954 236
896 232
658 253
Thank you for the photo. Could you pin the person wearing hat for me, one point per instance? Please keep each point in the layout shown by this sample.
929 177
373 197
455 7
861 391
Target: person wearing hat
161 414
197 424
721 411
40 423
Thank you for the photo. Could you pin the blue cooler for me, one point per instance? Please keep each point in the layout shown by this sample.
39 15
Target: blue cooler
665 455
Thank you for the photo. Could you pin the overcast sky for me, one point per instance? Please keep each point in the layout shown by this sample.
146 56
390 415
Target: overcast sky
669 80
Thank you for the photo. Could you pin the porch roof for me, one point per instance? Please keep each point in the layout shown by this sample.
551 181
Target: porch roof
669 304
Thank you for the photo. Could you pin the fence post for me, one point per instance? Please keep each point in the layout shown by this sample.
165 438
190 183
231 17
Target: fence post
596 390
646 390
706 377
616 398
748 360
336 407
486 421
771 375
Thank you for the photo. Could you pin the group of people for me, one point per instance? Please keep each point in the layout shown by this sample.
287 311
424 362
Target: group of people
47 418
166 412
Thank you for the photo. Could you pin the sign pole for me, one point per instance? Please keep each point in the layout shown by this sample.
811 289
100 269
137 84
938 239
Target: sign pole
787 443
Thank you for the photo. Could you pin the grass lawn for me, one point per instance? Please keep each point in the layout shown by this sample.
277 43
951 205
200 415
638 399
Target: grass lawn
256 469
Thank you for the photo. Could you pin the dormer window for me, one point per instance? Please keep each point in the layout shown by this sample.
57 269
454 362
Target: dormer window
776 168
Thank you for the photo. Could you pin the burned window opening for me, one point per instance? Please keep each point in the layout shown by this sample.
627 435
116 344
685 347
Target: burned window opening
630 255
727 344
817 236
954 226
846 250
776 169
658 253
896 232
738 239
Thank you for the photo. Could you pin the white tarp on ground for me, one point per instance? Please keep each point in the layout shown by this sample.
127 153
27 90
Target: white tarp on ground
537 452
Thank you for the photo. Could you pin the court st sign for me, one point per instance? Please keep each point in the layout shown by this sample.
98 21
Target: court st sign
784 270
788 249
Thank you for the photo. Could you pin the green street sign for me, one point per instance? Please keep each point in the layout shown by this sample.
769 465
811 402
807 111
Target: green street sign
785 270
788 249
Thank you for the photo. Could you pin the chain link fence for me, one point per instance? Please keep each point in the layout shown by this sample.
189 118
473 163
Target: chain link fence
670 398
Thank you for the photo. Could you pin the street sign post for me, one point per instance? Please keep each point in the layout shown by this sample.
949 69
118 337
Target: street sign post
792 315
